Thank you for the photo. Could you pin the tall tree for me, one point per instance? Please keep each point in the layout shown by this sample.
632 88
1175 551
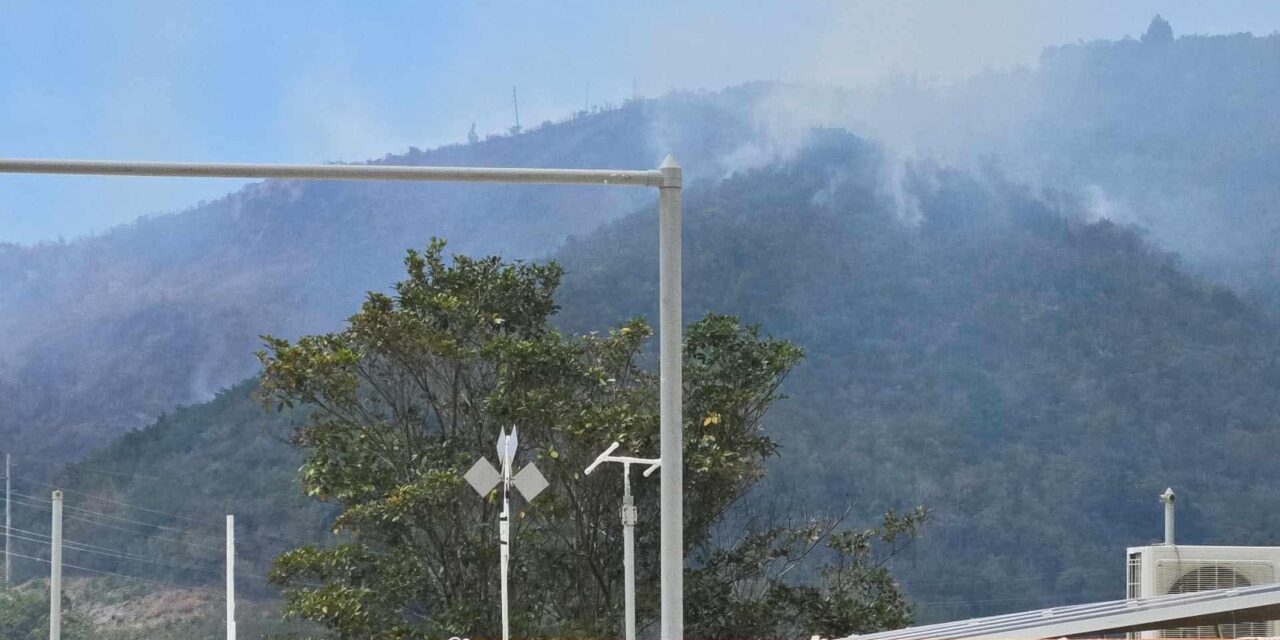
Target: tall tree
420 384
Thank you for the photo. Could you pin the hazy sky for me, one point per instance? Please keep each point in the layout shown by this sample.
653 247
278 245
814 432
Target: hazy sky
314 81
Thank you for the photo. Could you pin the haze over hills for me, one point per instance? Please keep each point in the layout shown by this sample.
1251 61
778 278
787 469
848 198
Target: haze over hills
987 334
1033 377
108 331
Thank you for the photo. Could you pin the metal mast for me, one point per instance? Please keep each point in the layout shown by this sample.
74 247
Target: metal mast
629 518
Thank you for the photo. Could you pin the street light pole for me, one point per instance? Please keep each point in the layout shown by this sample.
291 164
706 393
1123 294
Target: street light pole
667 178
670 358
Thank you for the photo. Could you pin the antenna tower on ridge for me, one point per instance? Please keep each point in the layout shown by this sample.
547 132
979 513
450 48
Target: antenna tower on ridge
515 103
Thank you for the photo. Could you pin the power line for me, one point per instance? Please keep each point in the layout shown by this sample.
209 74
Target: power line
144 534
46 537
72 545
257 534
122 504
107 525
106 573
250 539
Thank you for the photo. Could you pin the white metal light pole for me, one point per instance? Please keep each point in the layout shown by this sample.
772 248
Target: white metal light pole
629 517
231 577
529 482
669 182
670 399
55 570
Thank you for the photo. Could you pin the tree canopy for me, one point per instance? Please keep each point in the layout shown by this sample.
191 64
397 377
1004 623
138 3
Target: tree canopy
419 385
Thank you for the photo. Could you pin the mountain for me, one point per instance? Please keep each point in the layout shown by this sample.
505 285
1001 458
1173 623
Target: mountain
1034 377
106 332
1039 298
1175 135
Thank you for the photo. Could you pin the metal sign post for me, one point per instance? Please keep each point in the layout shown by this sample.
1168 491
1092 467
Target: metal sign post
529 482
629 517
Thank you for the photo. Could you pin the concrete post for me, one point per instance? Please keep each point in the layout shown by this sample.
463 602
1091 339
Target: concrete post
231 577
55 570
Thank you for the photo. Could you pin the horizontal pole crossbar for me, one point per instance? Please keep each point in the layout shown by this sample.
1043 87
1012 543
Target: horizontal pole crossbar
332 172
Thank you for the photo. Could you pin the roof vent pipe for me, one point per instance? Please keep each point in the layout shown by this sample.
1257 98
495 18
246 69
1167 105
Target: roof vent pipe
1167 498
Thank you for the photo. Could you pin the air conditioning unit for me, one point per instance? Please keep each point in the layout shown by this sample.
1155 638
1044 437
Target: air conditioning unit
1169 568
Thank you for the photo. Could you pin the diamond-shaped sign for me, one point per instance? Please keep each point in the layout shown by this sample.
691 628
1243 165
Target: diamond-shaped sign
483 477
530 482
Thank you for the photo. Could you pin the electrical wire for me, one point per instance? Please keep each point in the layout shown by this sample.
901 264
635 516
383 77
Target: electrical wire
122 504
122 518
72 545
99 571
249 539
81 544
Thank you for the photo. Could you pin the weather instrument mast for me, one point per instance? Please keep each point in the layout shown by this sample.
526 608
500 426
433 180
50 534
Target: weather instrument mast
629 517
529 482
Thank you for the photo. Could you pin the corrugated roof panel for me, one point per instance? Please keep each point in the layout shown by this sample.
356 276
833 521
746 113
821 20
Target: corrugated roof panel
1244 604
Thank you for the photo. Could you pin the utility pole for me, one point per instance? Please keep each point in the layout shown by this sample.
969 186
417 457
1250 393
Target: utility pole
629 517
231 577
8 575
55 570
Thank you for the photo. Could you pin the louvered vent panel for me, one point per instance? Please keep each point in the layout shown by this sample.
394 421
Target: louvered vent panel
1133 587
1174 576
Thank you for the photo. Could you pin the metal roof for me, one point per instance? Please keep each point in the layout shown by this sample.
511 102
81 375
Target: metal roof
1219 606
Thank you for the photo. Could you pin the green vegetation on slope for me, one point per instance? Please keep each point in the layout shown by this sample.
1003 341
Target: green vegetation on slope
1036 379
1033 377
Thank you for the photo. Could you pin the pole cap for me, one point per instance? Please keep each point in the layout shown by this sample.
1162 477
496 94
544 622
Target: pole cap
672 174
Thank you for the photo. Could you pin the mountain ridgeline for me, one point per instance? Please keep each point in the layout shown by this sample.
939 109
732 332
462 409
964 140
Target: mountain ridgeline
105 333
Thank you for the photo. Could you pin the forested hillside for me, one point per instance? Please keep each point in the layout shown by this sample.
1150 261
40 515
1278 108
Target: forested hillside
1034 377
105 333
1176 134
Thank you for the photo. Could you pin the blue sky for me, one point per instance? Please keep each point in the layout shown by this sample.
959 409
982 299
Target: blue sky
316 81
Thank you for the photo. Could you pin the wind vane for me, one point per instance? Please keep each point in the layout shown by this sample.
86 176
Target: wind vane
529 482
